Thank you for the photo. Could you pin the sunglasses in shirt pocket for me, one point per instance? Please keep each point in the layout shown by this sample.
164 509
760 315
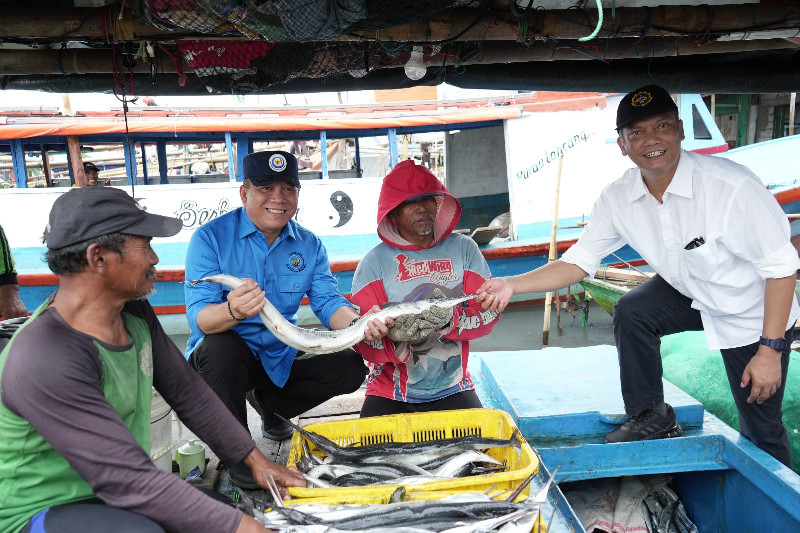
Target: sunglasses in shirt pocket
701 262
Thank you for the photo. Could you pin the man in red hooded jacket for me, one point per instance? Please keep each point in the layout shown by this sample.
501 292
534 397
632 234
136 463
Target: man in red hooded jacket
421 365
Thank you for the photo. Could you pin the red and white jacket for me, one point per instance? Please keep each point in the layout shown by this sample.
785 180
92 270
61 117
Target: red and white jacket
399 271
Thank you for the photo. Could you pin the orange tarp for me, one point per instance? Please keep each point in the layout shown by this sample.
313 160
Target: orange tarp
76 126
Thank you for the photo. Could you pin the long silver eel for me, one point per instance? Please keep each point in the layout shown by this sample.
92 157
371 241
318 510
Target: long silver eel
321 342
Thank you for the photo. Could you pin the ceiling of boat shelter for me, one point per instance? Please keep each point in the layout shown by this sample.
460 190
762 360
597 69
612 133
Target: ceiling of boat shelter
197 47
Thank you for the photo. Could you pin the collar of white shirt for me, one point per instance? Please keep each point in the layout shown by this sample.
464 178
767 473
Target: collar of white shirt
681 184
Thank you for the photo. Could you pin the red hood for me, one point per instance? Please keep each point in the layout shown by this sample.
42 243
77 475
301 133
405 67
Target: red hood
406 181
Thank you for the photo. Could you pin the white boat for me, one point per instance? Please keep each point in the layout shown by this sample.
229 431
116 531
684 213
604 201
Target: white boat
504 150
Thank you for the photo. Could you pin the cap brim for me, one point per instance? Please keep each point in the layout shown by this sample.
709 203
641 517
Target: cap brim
650 113
156 226
261 181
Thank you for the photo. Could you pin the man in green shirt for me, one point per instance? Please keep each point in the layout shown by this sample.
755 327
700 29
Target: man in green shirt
76 388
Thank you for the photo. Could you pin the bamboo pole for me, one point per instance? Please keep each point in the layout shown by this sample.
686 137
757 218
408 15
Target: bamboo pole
548 297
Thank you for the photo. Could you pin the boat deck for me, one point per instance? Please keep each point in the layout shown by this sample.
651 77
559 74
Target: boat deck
520 328
566 397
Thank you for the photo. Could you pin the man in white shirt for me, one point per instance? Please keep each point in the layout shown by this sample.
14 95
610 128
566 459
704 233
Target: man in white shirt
719 244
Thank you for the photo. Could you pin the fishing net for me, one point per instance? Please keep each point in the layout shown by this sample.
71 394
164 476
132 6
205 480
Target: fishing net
290 20
700 372
243 67
288 38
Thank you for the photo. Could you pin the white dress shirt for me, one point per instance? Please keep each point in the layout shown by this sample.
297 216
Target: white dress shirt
746 241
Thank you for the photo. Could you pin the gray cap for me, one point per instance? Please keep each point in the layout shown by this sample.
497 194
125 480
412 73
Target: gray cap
89 212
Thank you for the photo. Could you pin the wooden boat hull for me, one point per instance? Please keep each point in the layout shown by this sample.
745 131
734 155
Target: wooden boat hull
605 294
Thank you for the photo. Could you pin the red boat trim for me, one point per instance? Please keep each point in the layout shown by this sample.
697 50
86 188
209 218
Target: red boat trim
788 196
712 150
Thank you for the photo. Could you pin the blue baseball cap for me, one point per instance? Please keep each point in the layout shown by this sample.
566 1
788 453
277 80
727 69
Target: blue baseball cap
262 168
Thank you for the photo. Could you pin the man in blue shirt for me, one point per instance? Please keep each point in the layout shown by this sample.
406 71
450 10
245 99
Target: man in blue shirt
282 262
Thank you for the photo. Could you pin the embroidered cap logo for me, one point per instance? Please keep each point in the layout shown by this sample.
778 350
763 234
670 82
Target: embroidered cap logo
641 99
277 163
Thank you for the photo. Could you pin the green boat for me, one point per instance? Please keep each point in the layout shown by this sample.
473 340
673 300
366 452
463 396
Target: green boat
610 284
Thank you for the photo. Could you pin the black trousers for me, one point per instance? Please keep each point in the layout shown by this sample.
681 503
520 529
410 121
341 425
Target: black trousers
378 405
655 309
226 363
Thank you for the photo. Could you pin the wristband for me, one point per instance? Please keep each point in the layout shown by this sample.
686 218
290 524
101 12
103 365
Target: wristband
232 315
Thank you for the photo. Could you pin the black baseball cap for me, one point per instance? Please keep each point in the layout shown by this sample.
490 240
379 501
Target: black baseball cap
262 168
644 102
88 212
90 166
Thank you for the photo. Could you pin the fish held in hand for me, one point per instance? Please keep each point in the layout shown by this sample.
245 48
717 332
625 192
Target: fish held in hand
322 342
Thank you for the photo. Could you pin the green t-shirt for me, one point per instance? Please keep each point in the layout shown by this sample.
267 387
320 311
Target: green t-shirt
34 476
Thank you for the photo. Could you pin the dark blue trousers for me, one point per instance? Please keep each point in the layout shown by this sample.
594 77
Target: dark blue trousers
655 309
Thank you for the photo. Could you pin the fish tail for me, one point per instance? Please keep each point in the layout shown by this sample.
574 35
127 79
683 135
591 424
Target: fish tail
324 444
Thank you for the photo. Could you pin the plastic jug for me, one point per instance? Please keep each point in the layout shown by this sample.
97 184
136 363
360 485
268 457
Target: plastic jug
190 455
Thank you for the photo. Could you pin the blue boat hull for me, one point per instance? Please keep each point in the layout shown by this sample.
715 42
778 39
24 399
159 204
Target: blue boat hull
565 400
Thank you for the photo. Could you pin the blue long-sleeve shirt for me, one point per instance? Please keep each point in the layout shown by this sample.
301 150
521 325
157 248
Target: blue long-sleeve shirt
296 265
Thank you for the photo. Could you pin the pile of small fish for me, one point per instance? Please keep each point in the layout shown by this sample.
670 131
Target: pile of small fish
459 513
664 513
397 463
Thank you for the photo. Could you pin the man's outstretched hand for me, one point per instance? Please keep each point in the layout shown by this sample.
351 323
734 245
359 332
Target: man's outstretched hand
494 294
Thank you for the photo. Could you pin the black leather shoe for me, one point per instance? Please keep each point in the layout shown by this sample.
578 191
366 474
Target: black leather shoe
242 477
279 431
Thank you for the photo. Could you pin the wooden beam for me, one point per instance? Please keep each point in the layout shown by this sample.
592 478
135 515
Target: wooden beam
577 23
498 52
48 173
75 157
77 23
93 61
72 61
465 25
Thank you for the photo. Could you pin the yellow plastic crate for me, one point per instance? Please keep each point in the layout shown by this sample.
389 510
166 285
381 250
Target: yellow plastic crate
421 427
539 525
384 496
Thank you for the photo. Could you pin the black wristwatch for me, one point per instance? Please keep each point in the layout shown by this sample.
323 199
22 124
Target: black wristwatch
776 344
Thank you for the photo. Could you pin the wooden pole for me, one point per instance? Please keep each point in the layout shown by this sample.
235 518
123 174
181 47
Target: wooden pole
76 158
791 113
48 173
548 297
714 107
